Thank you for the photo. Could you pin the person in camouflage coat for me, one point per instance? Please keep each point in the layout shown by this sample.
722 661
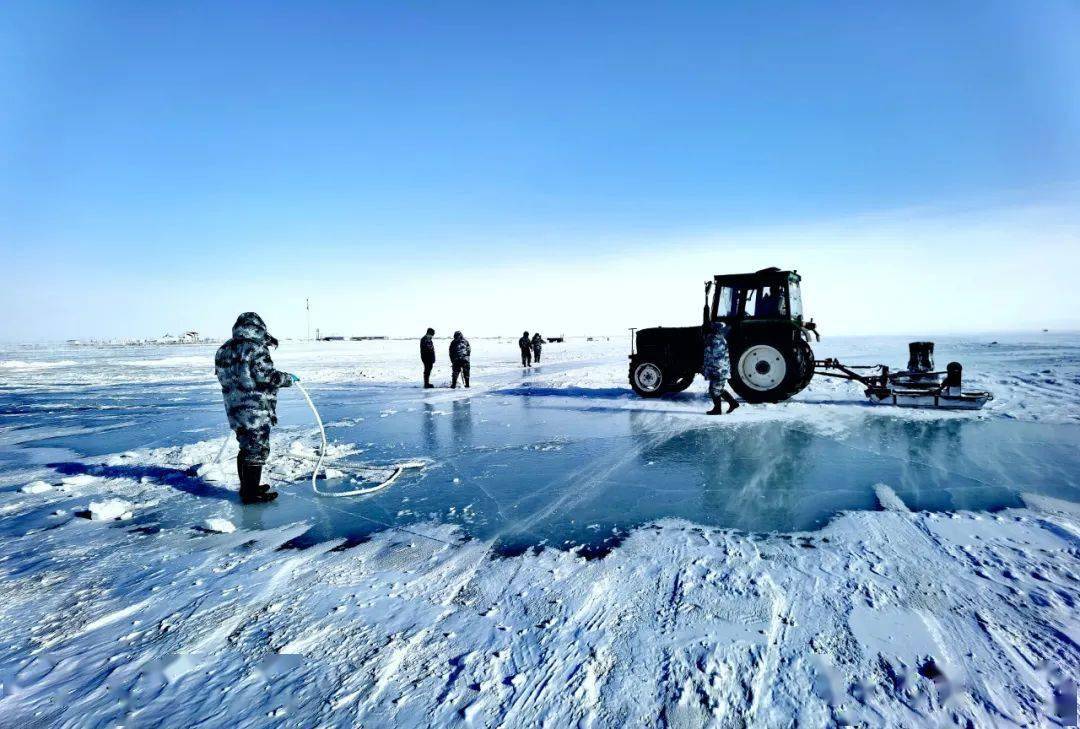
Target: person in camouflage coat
717 367
460 352
537 345
249 385
525 345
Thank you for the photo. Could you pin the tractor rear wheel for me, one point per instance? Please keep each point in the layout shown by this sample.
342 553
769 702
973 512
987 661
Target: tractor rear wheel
806 354
768 371
646 378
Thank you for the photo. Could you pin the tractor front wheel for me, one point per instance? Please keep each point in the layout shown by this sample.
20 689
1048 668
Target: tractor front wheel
768 371
646 378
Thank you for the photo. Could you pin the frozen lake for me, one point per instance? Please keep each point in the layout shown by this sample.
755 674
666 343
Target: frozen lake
572 554
562 455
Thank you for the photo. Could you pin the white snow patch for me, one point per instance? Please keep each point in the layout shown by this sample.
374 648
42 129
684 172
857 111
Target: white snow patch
37 487
110 509
888 498
82 479
220 525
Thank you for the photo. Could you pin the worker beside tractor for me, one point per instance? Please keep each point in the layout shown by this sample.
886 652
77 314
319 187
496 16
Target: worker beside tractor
716 367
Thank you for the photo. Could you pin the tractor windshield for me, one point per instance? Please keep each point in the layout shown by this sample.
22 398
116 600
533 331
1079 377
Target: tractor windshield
765 302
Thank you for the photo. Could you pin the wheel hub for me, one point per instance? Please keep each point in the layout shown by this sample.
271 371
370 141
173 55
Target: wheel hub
762 367
648 376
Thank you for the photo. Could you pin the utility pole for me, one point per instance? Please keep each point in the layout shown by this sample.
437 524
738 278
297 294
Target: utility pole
307 308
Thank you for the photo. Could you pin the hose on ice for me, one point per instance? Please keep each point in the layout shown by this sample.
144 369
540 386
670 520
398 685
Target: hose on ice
398 469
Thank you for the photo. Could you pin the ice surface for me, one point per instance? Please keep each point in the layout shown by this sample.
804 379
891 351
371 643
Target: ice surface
822 560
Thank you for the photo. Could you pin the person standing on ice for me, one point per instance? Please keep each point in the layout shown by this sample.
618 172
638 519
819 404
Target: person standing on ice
717 367
537 345
249 385
427 356
525 345
460 352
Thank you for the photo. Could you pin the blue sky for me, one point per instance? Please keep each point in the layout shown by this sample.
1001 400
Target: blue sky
500 166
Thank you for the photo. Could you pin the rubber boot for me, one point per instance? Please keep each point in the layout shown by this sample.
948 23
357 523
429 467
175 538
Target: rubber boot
251 491
731 401
718 406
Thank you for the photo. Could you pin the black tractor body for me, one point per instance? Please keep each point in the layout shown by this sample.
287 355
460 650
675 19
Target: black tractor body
768 342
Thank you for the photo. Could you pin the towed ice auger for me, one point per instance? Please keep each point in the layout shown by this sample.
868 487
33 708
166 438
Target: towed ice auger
771 358
919 386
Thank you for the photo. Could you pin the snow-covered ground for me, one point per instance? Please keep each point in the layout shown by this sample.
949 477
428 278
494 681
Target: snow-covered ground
571 554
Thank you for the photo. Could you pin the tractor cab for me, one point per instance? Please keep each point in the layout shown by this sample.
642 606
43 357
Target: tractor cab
767 295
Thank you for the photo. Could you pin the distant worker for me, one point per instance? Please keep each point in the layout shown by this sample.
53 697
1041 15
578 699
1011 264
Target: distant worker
460 352
537 345
427 356
717 367
525 344
249 385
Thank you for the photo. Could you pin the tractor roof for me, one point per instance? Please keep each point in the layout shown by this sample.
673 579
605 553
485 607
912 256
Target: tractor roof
765 275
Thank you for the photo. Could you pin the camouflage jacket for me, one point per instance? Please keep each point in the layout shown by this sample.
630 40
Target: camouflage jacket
537 342
427 349
460 351
717 365
525 343
249 382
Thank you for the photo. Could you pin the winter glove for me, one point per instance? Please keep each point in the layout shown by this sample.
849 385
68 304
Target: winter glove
293 378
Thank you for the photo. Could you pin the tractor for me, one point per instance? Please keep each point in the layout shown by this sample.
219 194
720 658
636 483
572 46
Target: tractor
771 358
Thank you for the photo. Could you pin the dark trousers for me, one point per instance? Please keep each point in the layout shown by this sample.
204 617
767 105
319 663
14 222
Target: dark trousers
254 445
526 357
536 354
459 368
427 371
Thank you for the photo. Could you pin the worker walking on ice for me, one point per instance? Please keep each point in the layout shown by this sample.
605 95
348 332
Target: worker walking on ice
427 356
537 345
525 345
717 367
460 352
249 385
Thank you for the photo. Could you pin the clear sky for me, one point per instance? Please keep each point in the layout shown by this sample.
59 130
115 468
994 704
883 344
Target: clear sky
569 167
